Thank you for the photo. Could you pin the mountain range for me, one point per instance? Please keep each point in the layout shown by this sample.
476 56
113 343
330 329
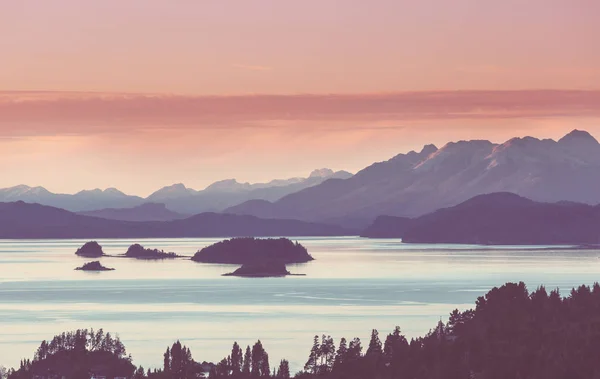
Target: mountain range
417 183
226 193
144 212
177 197
407 185
20 220
497 219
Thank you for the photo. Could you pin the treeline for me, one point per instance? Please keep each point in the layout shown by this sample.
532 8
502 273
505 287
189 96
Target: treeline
73 354
511 334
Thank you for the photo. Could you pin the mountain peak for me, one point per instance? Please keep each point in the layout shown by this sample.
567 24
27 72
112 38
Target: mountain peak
578 136
176 187
113 191
228 185
23 189
174 190
428 149
321 173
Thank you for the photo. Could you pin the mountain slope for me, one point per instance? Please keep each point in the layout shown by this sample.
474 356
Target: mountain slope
177 197
417 183
144 212
25 220
226 193
497 219
81 201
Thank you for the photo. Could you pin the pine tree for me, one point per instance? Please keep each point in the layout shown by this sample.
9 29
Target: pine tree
284 370
167 361
265 369
393 344
236 359
354 350
260 361
176 360
312 364
327 353
341 354
139 373
374 344
247 361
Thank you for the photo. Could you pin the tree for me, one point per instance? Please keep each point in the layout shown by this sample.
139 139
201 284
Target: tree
260 361
265 369
237 359
139 373
374 344
354 350
312 365
222 369
327 353
394 344
284 370
247 361
341 353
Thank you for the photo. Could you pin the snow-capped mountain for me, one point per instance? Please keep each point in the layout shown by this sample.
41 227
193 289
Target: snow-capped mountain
416 183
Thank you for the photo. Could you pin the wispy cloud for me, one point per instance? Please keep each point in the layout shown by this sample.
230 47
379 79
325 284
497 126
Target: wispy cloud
52 113
252 67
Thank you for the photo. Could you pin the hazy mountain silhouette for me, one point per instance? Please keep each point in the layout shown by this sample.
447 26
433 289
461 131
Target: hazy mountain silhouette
177 197
81 201
497 219
25 220
144 212
226 193
417 183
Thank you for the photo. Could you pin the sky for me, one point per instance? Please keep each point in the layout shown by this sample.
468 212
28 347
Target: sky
141 94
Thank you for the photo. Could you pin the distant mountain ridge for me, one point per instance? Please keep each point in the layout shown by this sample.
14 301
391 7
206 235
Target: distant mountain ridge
497 219
20 220
144 212
177 197
81 201
226 193
417 183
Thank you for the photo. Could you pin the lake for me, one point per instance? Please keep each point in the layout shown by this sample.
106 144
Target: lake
353 286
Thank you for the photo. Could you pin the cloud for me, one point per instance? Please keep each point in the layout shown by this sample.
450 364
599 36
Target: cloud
70 113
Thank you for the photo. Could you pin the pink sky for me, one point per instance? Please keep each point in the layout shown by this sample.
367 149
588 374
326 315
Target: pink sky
142 94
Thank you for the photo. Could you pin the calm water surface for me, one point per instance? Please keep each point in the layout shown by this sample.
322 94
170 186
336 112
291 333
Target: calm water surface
354 285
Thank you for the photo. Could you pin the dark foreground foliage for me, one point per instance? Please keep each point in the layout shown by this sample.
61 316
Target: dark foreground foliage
511 334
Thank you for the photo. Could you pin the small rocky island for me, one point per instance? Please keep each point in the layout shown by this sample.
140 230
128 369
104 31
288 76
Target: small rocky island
137 251
261 270
94 266
90 249
250 250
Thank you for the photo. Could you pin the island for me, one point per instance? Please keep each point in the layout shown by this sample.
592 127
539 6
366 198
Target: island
90 249
94 266
249 250
261 270
137 251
